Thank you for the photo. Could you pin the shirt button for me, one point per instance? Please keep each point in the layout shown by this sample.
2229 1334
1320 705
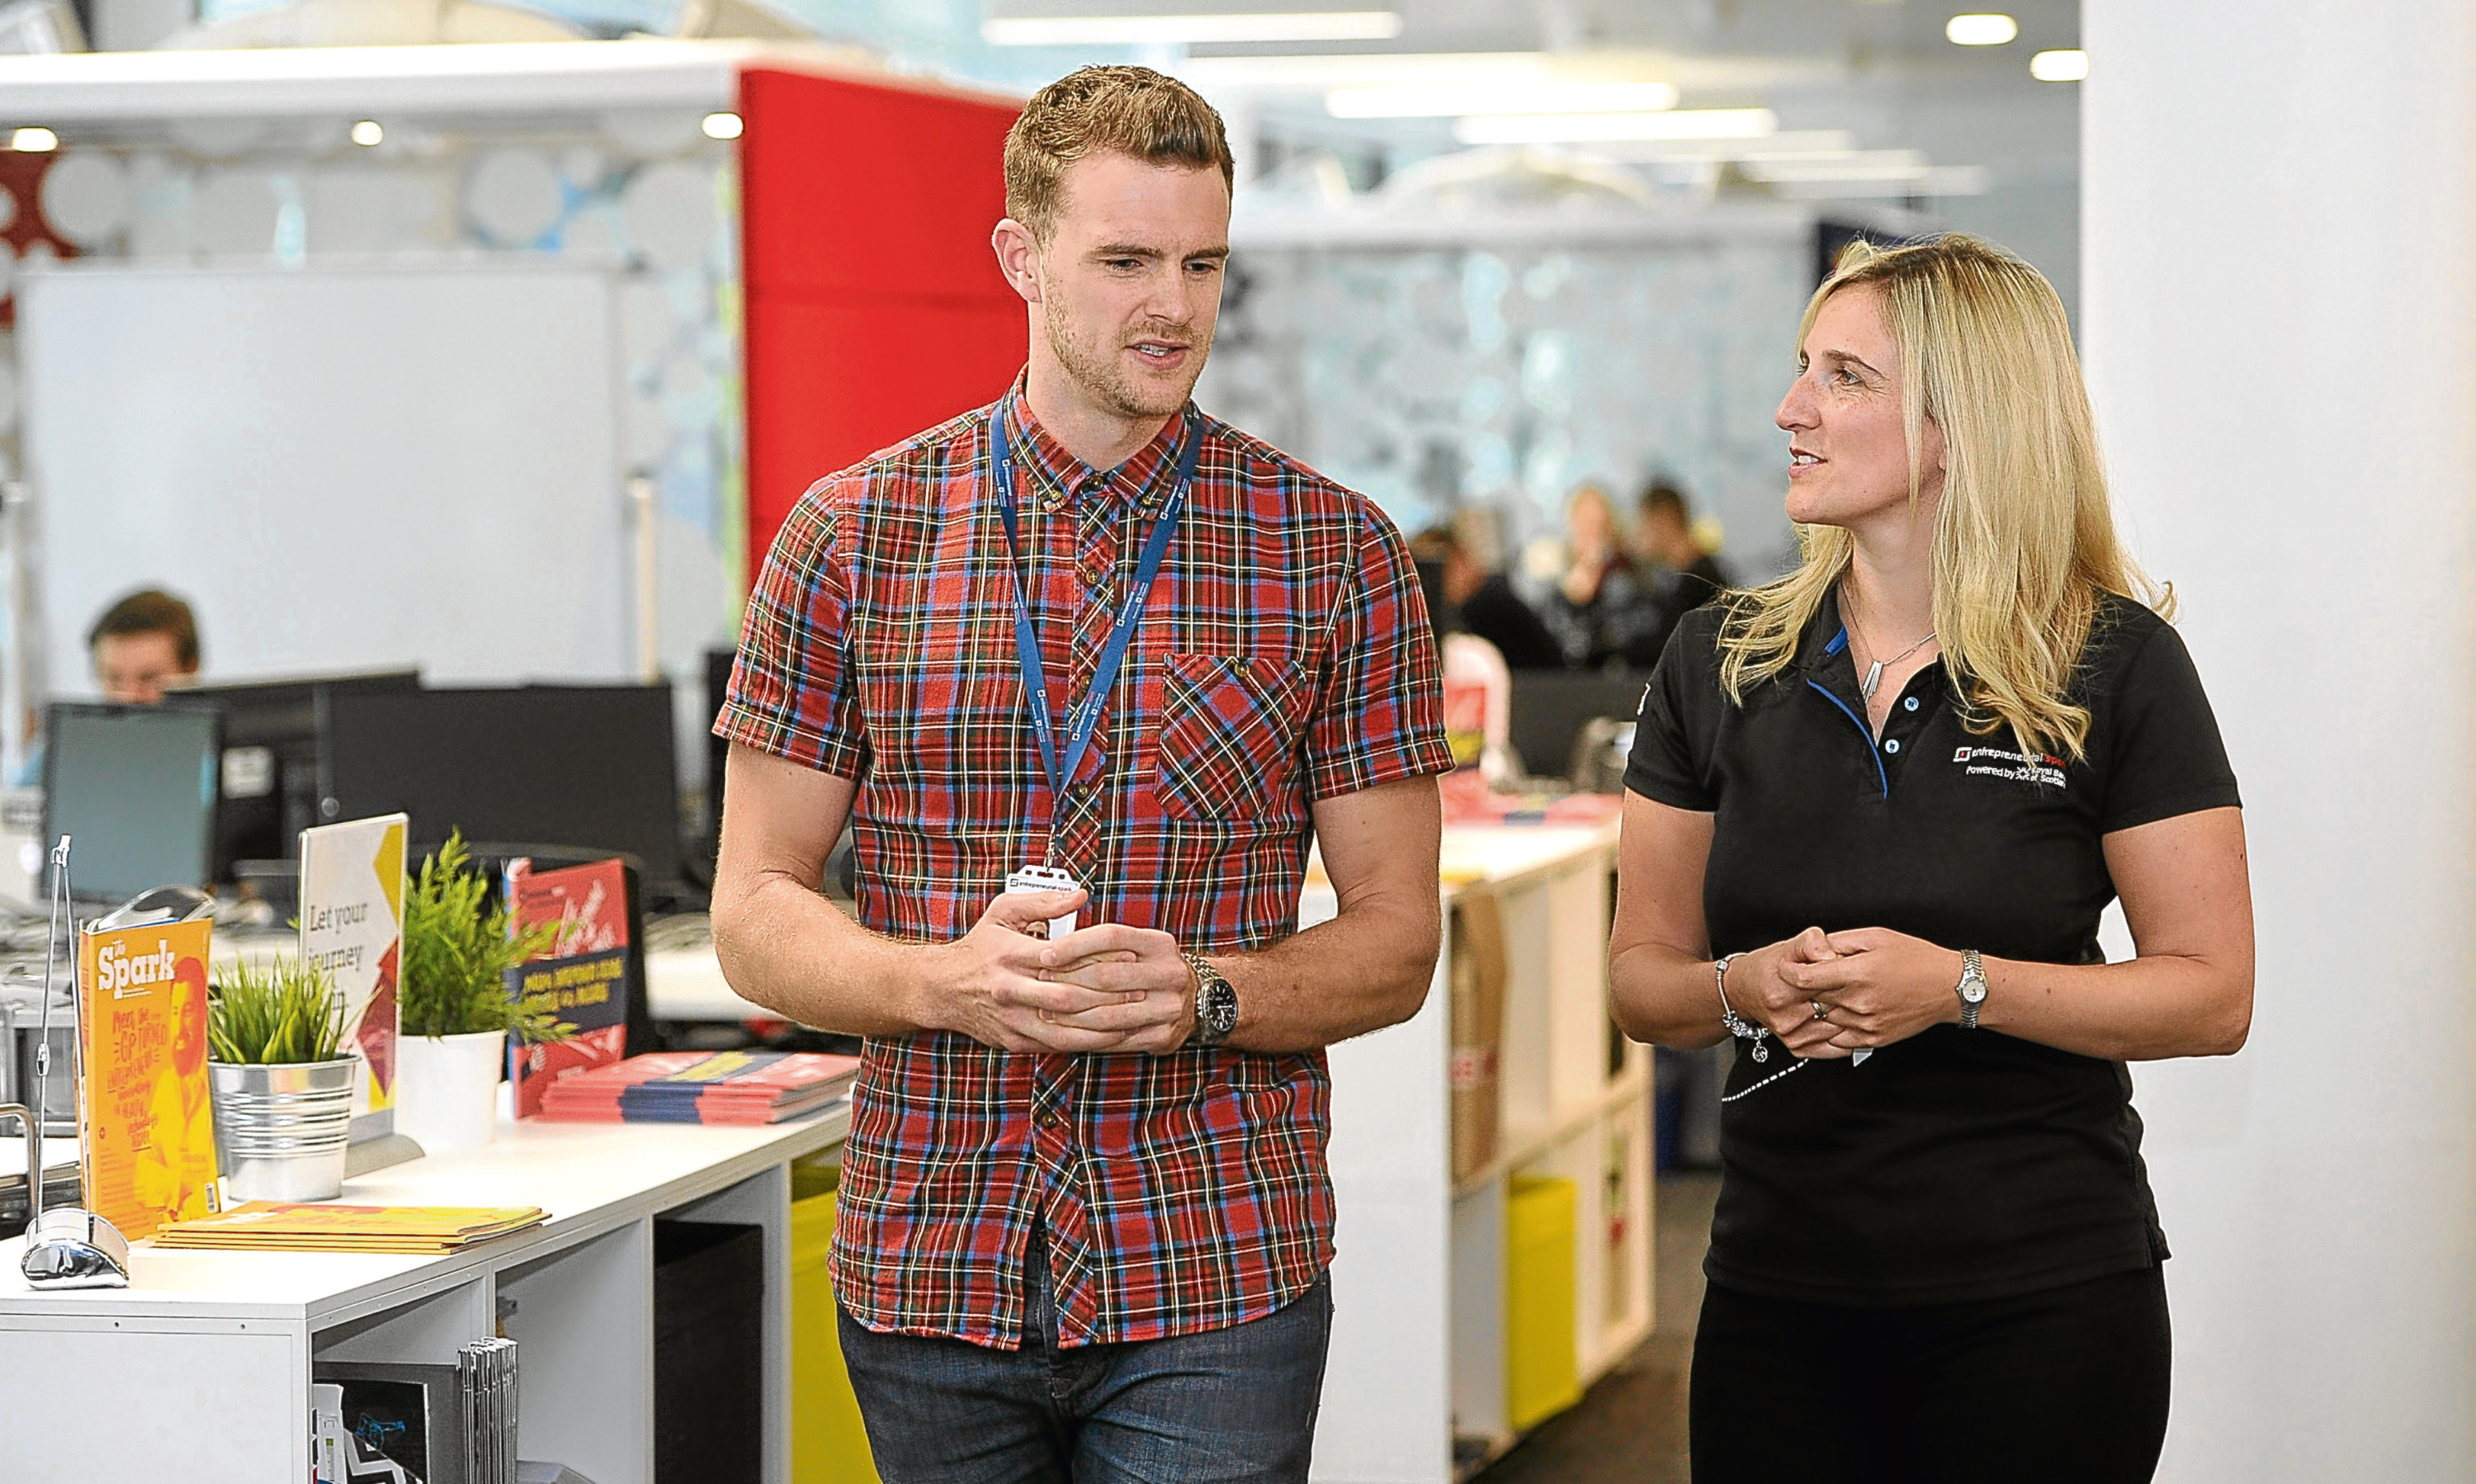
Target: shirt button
1909 705
1892 746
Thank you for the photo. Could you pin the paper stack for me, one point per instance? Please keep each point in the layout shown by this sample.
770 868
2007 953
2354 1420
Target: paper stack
488 1375
264 1225
702 1087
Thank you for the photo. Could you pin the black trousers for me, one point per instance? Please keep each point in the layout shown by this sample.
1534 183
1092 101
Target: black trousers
2068 1385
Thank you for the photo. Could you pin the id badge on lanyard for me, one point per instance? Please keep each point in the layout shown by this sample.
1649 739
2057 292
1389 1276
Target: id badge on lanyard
1061 758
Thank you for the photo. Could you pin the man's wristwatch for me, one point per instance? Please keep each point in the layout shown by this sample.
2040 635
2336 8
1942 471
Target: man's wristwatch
1216 1003
1972 987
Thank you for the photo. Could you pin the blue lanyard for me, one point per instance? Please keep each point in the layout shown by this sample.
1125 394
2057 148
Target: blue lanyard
1060 764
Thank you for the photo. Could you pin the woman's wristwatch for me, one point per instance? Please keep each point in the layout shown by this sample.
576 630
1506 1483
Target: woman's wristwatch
1971 988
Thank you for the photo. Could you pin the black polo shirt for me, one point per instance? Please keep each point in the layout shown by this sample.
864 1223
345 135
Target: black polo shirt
1956 1165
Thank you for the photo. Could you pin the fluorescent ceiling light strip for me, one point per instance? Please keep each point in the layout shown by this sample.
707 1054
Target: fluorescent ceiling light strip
1942 181
1981 30
1788 144
1599 128
1369 70
1465 100
1191 30
1882 164
2063 66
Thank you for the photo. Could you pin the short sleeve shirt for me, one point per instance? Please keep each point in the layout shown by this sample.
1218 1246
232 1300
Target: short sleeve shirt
1959 1164
1284 656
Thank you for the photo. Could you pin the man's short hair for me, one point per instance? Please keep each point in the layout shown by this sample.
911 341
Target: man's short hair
1665 496
1126 111
150 610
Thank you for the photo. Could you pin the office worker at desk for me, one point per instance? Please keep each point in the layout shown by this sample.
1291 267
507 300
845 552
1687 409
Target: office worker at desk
1875 812
144 645
1087 1217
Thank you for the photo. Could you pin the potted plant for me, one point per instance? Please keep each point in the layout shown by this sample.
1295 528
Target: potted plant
282 1081
455 1014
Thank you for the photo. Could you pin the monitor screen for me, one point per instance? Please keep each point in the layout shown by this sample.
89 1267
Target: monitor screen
134 788
270 738
572 767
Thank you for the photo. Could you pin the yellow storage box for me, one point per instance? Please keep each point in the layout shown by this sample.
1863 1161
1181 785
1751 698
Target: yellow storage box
1542 1373
829 1445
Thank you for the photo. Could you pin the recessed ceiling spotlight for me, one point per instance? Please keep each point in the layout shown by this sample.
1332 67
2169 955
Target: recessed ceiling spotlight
723 126
369 135
2065 67
1191 30
1981 30
34 142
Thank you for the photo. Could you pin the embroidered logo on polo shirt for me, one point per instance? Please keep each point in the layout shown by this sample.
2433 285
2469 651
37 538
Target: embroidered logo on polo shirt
1994 762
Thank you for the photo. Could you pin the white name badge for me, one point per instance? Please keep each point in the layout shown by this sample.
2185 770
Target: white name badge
1046 879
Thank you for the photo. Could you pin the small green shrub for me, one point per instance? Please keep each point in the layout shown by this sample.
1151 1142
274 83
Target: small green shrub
279 1014
456 956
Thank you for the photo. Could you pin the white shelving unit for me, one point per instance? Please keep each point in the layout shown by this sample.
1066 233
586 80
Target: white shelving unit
1419 1280
200 1369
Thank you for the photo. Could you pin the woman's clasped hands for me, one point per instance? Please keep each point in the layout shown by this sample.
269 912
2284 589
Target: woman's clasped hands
1827 995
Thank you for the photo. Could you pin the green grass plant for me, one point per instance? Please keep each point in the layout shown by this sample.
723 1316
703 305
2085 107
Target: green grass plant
458 948
279 1013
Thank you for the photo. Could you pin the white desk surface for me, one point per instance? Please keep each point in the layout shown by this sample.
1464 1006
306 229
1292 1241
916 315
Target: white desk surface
591 1178
1500 855
60 1152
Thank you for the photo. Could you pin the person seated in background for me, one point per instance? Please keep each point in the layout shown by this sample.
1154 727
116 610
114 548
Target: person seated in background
1463 597
144 645
1675 575
1599 585
1666 542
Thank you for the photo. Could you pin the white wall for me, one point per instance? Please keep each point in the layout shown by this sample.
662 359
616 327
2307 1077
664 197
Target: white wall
2279 304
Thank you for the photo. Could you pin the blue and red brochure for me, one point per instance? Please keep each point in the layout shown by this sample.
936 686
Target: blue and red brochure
702 1087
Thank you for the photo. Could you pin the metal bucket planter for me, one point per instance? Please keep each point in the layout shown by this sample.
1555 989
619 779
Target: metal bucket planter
280 1130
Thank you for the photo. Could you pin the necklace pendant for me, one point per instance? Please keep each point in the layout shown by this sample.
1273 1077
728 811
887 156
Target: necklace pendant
1874 679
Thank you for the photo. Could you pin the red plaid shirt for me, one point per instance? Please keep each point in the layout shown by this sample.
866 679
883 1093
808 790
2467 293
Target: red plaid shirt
1284 657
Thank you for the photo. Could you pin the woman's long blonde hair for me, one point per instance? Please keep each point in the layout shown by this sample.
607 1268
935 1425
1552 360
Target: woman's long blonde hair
2024 539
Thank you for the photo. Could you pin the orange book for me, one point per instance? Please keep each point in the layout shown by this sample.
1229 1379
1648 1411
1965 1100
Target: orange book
146 1124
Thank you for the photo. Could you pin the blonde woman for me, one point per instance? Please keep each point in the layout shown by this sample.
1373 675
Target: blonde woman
1873 813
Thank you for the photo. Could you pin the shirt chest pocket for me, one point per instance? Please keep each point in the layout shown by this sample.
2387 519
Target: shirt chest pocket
1228 749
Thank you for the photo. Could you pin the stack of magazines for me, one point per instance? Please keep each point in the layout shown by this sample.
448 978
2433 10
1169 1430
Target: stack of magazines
269 1226
434 1424
486 1376
702 1087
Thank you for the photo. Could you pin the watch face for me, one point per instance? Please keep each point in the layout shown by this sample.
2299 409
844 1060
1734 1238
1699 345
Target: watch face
1972 990
1216 1010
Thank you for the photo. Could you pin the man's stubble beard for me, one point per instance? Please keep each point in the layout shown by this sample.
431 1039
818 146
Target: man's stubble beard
1096 371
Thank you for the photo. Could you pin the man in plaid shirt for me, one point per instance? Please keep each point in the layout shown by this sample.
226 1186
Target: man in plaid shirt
1085 1213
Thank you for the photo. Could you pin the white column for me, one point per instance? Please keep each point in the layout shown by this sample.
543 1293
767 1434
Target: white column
2279 306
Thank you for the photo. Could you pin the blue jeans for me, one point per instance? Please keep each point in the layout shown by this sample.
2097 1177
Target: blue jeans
1228 1406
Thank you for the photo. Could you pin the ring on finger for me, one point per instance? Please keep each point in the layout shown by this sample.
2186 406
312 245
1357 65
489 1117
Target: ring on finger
1821 1012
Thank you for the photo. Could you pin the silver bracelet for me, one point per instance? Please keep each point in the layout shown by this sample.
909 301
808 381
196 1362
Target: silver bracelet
1737 1025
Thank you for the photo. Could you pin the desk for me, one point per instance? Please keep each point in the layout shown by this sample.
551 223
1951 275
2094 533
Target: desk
200 1367
1415 1385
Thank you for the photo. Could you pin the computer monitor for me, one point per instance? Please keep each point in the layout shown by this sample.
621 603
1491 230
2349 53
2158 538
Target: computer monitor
134 788
576 767
269 775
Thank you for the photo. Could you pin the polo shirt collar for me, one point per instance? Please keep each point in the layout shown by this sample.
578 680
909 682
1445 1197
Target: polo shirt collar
1054 479
1824 643
1822 652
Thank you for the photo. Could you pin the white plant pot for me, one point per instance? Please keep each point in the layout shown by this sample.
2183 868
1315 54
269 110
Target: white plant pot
446 1089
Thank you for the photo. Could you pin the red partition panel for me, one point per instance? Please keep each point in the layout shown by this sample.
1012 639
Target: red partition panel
875 306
